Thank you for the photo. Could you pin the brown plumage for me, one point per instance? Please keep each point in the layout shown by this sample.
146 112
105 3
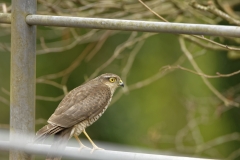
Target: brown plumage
79 109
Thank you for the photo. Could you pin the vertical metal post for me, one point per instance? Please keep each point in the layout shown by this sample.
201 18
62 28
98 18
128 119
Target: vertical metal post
23 60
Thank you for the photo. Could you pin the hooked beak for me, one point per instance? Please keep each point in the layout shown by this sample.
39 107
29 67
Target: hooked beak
121 83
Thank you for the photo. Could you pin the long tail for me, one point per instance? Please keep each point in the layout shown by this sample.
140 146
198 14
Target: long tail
47 130
59 143
61 137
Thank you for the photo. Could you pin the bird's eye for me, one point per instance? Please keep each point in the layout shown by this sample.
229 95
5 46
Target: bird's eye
112 80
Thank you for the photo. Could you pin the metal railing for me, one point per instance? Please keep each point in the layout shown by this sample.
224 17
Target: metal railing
128 25
84 153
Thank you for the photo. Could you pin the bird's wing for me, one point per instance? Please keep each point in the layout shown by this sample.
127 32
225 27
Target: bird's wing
80 104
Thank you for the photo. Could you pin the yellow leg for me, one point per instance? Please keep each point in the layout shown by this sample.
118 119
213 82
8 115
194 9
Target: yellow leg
95 147
80 143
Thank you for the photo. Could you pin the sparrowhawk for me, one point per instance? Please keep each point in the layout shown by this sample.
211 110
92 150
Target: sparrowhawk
80 108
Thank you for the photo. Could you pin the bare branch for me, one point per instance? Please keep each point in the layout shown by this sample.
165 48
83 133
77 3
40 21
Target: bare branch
40 121
216 43
131 41
79 40
4 100
211 8
45 81
219 140
130 61
73 66
195 66
218 46
5 91
234 155
147 81
5 47
200 37
100 43
53 99
202 74
163 19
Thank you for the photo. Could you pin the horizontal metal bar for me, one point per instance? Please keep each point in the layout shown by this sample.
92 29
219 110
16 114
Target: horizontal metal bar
5 18
85 153
128 25
133 25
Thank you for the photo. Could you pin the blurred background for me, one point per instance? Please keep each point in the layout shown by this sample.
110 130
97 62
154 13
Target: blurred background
168 104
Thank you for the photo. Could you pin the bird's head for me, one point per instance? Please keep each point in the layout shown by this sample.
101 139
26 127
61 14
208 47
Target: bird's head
111 80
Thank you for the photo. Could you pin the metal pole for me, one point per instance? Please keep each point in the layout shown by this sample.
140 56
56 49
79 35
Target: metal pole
133 25
23 57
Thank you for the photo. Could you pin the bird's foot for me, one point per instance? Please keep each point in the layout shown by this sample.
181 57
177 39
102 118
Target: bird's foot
83 146
96 148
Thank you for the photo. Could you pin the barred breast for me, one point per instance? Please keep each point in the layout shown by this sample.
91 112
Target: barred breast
78 128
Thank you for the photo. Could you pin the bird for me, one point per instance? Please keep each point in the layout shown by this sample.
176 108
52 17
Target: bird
80 108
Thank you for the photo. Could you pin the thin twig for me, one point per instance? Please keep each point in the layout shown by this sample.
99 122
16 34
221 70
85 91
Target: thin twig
88 37
147 81
73 66
219 75
131 41
5 91
130 61
4 100
53 99
49 82
163 19
211 8
100 43
216 43
195 66
197 36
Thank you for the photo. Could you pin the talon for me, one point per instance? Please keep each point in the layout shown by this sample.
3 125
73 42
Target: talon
96 148
83 146
80 143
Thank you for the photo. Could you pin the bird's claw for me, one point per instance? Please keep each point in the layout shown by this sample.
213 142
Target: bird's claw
96 148
83 146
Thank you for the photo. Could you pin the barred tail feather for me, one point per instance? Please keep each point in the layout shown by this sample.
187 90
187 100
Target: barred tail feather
46 131
59 143
61 137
